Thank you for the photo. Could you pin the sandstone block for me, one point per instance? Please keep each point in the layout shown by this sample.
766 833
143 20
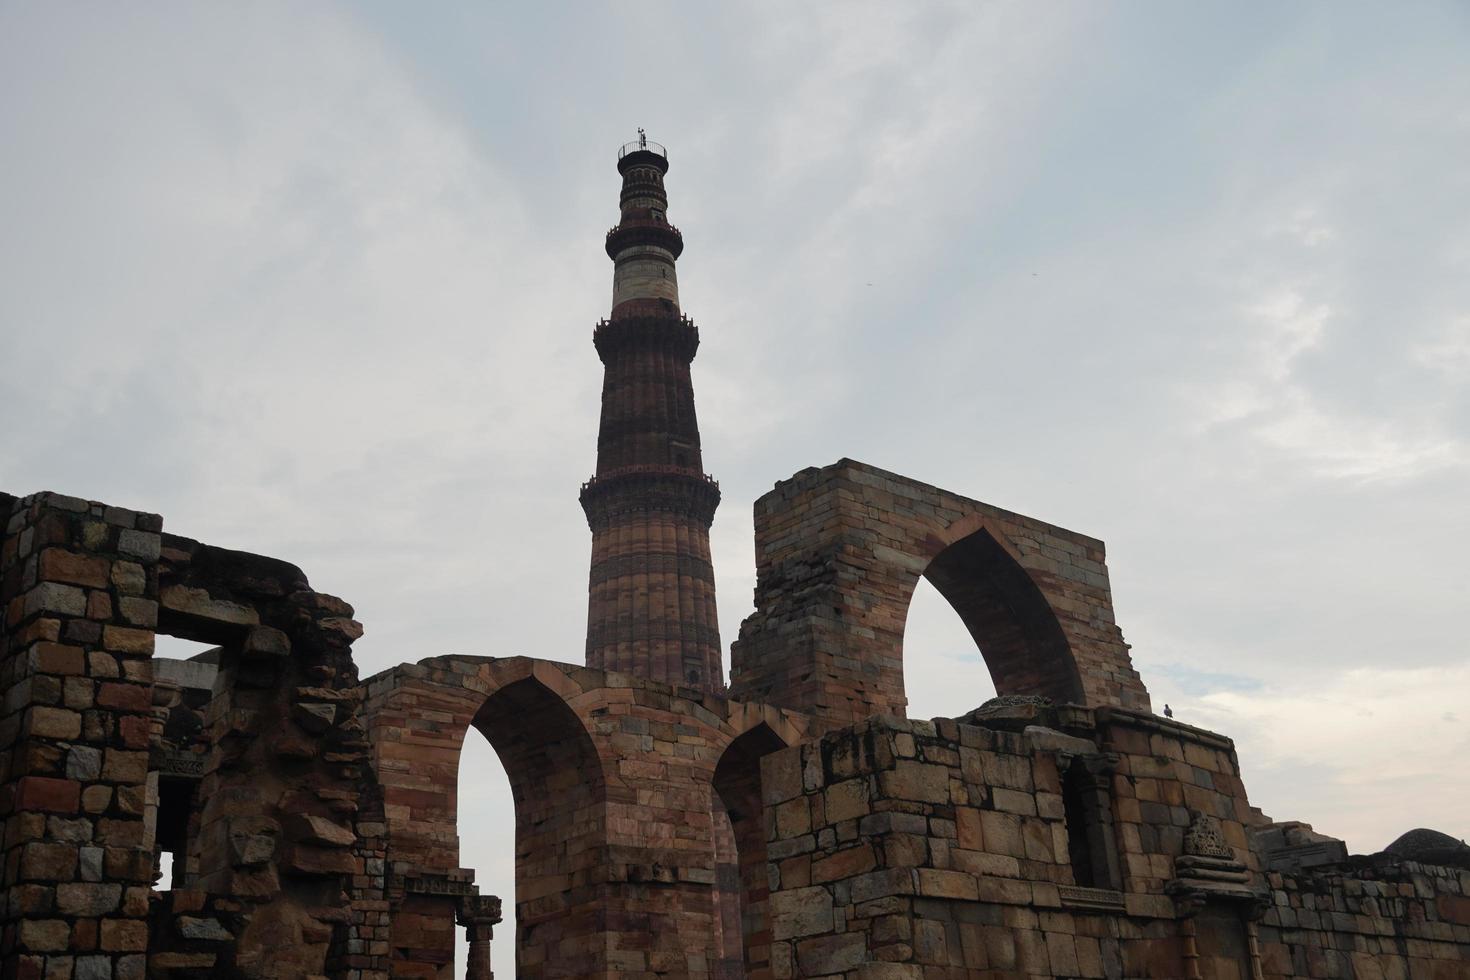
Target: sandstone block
129 578
781 776
99 606
881 884
801 912
1013 801
46 794
138 612
123 696
140 544
54 597
843 864
126 639
831 954
61 724
263 641
208 930
45 935
847 800
916 781
58 658
935 883
91 900
124 935
121 766
307 828
793 818
307 860
44 861
314 717
96 799
69 830
198 603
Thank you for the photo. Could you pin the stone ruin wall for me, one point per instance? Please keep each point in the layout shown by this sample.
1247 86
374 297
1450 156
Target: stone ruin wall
1026 840
281 864
617 783
906 849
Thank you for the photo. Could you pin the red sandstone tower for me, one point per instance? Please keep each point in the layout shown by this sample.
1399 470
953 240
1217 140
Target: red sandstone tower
651 609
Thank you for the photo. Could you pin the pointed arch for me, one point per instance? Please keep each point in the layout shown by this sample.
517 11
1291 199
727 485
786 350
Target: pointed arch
1010 619
418 716
559 790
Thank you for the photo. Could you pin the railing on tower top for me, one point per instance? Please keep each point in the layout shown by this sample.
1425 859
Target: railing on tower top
648 145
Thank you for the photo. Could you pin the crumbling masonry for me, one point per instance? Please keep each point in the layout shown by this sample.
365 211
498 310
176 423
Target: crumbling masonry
796 824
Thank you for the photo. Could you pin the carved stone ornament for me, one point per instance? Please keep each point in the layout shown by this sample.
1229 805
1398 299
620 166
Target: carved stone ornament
1203 838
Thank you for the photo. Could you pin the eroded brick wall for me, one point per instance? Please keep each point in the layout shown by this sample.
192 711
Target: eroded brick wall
839 551
288 859
79 590
280 873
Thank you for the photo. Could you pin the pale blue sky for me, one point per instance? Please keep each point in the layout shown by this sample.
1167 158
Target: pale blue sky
319 281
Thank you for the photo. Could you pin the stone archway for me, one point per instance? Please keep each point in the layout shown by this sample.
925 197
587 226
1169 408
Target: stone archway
418 716
840 550
559 792
613 778
1018 633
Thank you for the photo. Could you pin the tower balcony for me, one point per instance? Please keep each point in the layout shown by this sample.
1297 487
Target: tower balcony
644 231
675 332
644 146
644 153
650 487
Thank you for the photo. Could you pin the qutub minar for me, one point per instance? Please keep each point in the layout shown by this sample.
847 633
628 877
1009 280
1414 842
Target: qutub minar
796 824
651 609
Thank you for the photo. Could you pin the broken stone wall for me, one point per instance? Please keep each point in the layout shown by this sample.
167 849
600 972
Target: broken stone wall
1398 920
839 551
288 825
79 589
933 849
906 849
281 870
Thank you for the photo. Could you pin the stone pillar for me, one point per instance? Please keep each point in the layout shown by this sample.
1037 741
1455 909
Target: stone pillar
79 587
478 914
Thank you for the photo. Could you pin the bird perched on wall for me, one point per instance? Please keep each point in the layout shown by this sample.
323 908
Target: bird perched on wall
1168 711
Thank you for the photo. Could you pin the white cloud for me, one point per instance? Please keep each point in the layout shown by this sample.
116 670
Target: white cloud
1449 352
1377 743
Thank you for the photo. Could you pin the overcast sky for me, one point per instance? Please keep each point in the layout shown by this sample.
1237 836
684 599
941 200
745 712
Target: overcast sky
319 281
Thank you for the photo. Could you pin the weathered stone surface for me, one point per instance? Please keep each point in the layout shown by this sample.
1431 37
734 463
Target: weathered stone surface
303 827
314 717
801 912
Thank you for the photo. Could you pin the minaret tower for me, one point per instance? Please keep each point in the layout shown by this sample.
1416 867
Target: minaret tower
651 609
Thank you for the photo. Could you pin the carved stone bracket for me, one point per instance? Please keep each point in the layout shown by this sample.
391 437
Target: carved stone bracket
1209 871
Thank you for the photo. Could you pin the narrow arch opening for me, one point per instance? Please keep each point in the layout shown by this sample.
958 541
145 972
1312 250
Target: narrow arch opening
737 783
557 792
487 826
944 674
1023 645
